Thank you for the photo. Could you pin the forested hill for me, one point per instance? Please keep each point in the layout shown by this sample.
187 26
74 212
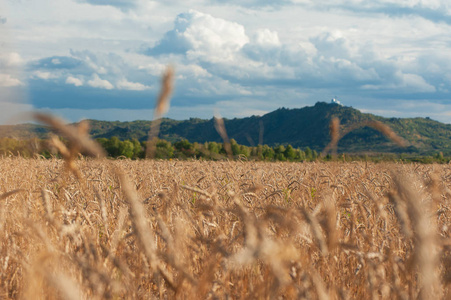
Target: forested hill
303 127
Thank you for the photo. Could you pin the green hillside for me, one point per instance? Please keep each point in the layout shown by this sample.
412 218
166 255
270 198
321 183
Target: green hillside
303 127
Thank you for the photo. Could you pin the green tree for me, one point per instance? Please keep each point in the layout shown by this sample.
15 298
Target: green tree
300 155
257 152
235 147
279 149
308 153
214 147
314 155
200 150
112 146
244 150
126 148
280 156
184 149
164 149
138 151
290 153
267 152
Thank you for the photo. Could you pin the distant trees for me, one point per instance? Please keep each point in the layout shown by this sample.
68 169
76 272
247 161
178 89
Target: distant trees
183 149
25 148
164 150
116 148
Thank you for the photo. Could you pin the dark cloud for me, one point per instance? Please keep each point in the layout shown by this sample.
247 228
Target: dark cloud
174 40
45 94
57 62
86 63
435 14
3 20
256 3
121 4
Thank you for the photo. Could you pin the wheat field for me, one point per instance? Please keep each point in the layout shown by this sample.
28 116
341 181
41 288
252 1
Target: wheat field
151 229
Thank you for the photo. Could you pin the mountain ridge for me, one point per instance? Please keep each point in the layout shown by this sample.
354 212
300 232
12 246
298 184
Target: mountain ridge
300 127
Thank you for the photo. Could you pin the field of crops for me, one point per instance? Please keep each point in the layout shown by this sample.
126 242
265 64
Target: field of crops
216 230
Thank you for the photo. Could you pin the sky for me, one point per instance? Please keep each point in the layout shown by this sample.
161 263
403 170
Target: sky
103 60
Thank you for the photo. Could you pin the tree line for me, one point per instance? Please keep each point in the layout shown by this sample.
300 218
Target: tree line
183 149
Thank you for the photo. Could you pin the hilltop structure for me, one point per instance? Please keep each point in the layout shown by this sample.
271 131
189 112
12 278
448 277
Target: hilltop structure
335 101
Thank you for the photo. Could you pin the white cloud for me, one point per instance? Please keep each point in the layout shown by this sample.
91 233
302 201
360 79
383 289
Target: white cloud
416 83
213 39
334 44
203 37
225 49
192 71
407 83
44 75
124 84
266 37
102 63
97 82
10 60
7 80
56 61
74 81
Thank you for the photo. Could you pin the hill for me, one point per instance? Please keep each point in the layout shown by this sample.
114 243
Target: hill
303 127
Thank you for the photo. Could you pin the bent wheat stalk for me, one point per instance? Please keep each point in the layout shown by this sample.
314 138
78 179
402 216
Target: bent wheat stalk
161 107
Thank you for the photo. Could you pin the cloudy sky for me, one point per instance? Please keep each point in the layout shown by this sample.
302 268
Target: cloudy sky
103 59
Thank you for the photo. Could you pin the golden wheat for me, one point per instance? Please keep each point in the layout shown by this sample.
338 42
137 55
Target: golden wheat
191 229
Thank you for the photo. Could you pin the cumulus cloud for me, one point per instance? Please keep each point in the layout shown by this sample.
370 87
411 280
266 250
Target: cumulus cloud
74 81
192 71
267 37
416 83
124 84
44 75
101 63
6 80
297 51
97 82
333 44
235 60
202 36
57 62
10 60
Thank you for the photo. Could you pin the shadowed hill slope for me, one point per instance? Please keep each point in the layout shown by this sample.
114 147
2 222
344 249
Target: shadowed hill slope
303 127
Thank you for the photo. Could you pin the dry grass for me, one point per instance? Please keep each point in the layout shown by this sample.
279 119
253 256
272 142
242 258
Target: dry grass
216 230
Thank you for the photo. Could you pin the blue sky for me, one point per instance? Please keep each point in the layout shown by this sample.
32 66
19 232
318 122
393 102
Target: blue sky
103 59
